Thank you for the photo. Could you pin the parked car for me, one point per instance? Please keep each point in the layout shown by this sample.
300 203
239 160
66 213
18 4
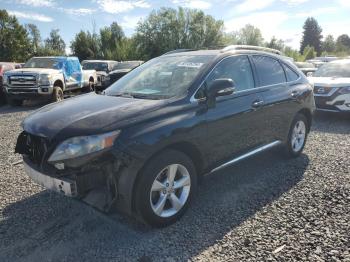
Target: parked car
332 86
102 67
47 78
121 69
316 63
4 67
143 144
306 67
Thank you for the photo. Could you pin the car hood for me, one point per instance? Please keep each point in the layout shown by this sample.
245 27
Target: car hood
87 115
119 71
101 73
330 81
33 71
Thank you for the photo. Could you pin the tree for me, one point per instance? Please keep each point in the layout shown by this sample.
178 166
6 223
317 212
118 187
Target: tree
312 35
275 44
250 35
86 45
14 41
113 42
54 44
343 43
309 52
168 29
328 44
35 38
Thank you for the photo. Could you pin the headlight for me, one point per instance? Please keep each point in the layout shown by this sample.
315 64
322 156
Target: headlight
45 79
4 79
83 145
344 90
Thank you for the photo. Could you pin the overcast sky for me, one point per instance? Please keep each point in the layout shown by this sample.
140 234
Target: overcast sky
281 18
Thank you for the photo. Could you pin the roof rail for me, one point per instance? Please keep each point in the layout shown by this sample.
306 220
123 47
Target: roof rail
251 47
178 51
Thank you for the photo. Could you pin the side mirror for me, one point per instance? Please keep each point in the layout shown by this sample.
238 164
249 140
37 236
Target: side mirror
221 87
309 74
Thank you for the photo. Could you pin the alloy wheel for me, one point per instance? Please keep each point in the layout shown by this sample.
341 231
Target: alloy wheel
298 136
170 190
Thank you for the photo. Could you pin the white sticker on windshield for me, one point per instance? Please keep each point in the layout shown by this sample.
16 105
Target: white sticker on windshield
189 64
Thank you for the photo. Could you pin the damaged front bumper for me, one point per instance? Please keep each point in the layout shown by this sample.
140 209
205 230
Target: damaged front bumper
64 186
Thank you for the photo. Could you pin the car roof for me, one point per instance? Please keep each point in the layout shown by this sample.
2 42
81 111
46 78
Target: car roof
219 53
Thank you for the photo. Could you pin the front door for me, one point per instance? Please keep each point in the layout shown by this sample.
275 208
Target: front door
234 121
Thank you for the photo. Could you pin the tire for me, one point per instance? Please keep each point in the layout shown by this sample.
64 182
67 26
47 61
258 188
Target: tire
297 136
57 94
154 188
14 102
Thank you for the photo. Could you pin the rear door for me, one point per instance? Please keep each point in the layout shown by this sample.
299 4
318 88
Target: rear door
278 107
233 123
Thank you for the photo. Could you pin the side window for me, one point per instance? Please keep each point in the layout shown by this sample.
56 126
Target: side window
269 70
237 68
291 75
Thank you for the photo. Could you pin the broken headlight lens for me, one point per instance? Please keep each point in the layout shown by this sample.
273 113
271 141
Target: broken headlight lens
83 145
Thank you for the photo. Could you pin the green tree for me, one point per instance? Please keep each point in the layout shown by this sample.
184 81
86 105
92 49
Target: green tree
312 35
275 44
328 44
343 43
54 44
35 38
86 45
14 41
309 52
168 29
113 42
250 35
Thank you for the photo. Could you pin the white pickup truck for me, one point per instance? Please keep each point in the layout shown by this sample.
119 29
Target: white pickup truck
47 78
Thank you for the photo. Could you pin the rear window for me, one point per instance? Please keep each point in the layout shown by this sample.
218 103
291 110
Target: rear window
270 71
291 75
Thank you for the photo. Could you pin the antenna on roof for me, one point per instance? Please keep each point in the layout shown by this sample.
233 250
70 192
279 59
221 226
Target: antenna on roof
251 47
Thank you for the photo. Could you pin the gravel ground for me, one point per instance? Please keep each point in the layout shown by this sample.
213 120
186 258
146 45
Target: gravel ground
264 209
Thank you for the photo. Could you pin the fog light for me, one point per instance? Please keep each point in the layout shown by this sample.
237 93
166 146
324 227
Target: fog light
348 104
45 89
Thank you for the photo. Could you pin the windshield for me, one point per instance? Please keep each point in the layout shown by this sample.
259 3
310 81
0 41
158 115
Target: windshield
126 65
160 78
305 65
41 62
333 70
96 66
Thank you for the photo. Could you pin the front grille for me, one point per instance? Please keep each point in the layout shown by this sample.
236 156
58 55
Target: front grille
35 147
22 81
322 90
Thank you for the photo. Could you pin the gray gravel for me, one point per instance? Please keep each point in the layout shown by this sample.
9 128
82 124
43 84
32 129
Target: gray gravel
264 209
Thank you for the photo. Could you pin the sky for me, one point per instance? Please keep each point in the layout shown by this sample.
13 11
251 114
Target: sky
280 18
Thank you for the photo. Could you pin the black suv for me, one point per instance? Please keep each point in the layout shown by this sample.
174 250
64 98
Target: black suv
142 145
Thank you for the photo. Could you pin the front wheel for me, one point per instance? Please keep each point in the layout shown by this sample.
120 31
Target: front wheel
57 95
297 136
165 188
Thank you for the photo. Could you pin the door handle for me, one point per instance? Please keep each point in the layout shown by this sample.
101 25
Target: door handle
257 103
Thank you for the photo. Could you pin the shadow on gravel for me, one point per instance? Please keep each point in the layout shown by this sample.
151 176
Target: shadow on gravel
335 123
51 227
